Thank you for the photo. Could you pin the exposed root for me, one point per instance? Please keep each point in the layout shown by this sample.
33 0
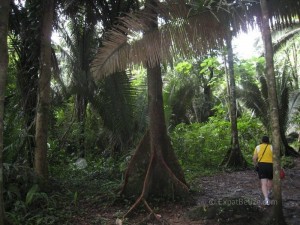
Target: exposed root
173 177
148 161
234 159
133 206
145 188
157 216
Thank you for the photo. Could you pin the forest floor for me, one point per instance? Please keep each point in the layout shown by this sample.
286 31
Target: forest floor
227 198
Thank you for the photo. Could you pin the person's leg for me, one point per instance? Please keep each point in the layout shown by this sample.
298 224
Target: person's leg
264 187
265 176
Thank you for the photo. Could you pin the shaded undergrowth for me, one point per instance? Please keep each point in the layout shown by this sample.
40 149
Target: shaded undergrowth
63 198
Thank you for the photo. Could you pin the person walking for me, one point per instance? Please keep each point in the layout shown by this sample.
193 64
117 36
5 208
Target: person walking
263 160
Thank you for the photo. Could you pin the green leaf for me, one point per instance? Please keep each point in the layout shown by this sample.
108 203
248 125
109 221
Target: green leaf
31 193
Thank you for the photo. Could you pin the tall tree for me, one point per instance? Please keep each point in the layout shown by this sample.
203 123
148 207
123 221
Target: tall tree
234 156
4 11
27 63
161 174
277 218
41 136
82 38
81 43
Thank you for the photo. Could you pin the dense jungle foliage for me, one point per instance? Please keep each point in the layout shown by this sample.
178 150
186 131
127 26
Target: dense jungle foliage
95 126
199 146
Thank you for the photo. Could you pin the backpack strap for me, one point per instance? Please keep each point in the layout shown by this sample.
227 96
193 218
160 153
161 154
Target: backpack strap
263 153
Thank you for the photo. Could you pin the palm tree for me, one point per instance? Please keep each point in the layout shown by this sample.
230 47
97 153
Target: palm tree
4 11
278 217
255 97
160 174
27 63
190 89
234 157
81 42
82 37
42 114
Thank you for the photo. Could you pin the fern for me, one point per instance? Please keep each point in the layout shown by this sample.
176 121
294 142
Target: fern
35 196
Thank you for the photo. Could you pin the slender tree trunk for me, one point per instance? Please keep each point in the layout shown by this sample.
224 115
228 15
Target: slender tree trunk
40 160
4 10
81 106
232 95
277 218
207 107
234 157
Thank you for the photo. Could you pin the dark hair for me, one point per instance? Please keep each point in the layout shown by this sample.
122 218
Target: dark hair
265 139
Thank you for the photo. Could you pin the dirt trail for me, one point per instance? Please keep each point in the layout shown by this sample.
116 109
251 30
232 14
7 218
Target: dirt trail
242 184
245 184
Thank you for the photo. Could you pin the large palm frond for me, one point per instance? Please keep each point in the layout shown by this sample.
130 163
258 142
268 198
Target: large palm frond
285 38
157 45
181 102
186 30
115 102
113 97
283 100
254 99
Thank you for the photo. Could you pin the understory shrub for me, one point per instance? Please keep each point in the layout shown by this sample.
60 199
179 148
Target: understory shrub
201 147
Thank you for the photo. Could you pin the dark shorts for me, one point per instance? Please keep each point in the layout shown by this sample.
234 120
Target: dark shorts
265 171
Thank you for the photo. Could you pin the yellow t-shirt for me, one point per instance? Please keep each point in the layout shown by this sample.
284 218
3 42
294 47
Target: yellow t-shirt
266 157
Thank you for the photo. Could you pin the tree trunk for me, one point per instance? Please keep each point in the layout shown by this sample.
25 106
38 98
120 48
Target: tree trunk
277 218
234 158
159 141
154 169
207 106
40 160
27 70
4 11
81 106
